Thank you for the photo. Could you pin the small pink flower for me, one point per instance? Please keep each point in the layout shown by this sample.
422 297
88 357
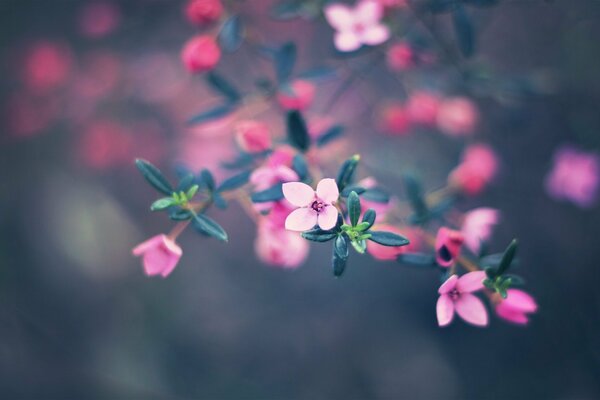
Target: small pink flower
282 155
316 207
381 252
203 12
201 53
298 96
422 107
477 227
447 246
456 295
516 307
400 57
279 247
98 19
393 119
47 66
160 255
357 26
575 176
457 116
478 168
252 136
104 144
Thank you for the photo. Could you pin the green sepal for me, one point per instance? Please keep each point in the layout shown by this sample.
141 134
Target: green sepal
507 258
192 192
360 246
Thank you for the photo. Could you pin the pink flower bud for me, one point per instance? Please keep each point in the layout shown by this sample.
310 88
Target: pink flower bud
252 136
400 57
422 108
203 12
477 170
516 307
393 119
160 255
279 247
298 96
201 53
381 252
457 116
47 66
447 246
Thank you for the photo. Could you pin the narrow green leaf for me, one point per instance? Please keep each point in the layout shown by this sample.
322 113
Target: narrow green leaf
154 177
388 238
210 227
346 172
231 35
272 194
297 131
353 208
162 204
235 181
223 86
207 180
192 192
299 165
318 235
507 258
369 217
341 246
285 59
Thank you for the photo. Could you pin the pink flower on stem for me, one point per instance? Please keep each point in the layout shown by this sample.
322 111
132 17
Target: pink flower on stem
47 66
160 254
315 207
478 167
516 307
447 246
201 53
298 95
575 176
457 116
252 136
357 26
477 227
456 294
394 120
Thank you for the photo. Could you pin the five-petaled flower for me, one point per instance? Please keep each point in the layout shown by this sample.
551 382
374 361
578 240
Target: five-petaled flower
160 254
316 207
357 26
456 295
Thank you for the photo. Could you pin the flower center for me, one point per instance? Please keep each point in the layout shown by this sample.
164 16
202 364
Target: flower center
454 294
317 205
359 27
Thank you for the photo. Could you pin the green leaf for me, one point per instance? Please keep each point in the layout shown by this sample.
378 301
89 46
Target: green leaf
192 192
353 208
338 261
388 238
414 193
210 227
360 246
222 86
231 35
219 201
299 165
376 195
207 180
186 182
272 194
318 235
331 134
507 258
369 217
285 59
235 181
162 204
178 214
352 188
346 172
297 132
154 177
465 33
341 246
217 112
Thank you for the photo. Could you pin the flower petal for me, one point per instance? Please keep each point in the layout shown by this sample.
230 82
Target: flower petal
298 193
148 244
346 41
339 16
449 285
471 309
444 310
368 12
328 218
375 35
327 190
512 315
471 282
520 300
301 219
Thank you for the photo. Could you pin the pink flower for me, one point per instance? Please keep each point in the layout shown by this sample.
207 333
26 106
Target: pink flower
447 246
422 107
456 295
457 116
105 143
252 136
267 176
99 19
279 247
381 252
203 12
478 168
393 119
47 66
516 306
357 26
575 176
160 255
201 53
298 95
400 57
477 227
316 207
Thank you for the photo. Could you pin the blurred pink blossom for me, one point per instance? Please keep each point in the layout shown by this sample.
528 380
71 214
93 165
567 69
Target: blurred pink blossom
477 227
448 243
99 75
252 136
279 247
201 53
422 107
315 207
160 254
575 176
381 252
400 57
393 119
203 12
516 307
456 296
105 143
357 26
457 116
46 66
298 95
478 168
99 19
380 209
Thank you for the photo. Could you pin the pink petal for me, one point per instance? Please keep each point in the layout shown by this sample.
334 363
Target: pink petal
285 174
368 12
449 285
327 190
471 282
339 16
375 35
301 220
328 218
148 244
346 41
444 310
512 315
520 300
471 309
298 193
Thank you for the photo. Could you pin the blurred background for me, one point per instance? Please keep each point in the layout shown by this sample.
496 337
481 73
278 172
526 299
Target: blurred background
86 87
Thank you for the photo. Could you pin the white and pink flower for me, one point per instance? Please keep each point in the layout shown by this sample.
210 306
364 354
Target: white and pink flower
315 207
